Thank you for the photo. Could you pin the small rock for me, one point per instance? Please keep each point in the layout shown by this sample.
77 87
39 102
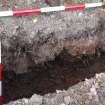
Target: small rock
25 101
58 91
80 14
36 99
93 90
35 20
67 100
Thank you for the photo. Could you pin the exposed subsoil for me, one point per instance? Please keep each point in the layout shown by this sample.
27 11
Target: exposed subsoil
63 72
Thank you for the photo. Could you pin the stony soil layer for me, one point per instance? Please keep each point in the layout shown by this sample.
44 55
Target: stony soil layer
35 39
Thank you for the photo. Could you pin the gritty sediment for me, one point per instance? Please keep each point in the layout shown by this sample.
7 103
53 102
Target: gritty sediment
41 38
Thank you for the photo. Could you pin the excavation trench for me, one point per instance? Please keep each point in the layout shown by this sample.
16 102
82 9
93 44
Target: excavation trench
49 52
60 74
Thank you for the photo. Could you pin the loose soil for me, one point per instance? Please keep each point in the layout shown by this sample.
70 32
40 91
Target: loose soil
62 73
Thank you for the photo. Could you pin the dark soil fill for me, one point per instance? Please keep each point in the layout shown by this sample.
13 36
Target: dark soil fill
60 74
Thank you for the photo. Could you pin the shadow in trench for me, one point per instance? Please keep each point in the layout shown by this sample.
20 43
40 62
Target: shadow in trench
61 73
